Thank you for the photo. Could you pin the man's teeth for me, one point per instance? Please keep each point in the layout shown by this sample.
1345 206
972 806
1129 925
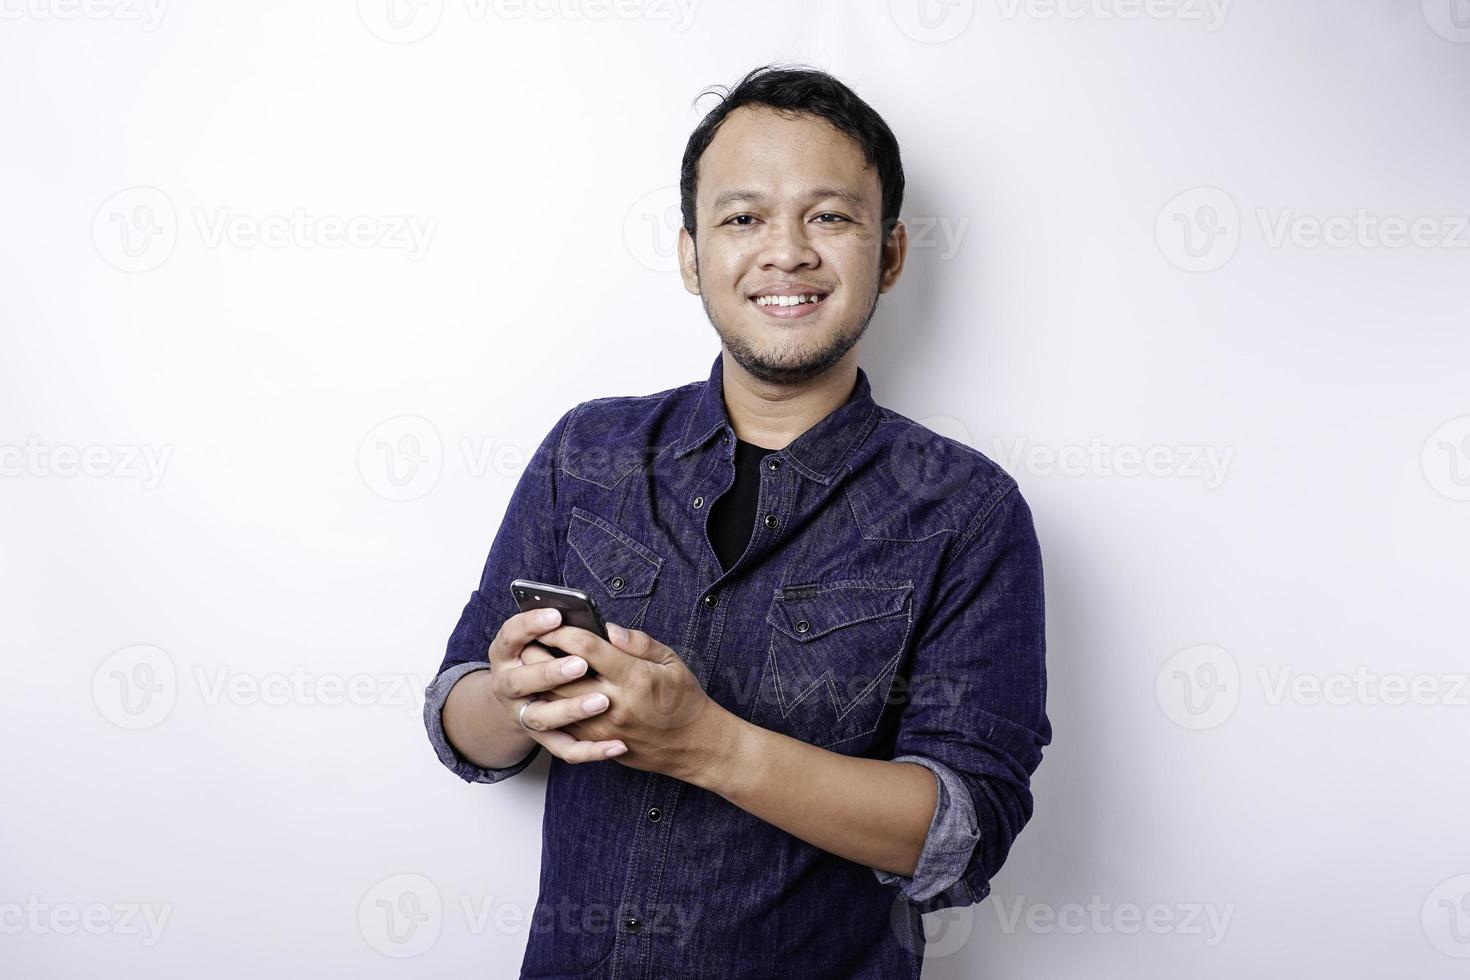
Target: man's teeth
787 300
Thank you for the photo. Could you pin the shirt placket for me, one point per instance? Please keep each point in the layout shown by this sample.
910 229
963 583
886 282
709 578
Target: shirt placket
642 920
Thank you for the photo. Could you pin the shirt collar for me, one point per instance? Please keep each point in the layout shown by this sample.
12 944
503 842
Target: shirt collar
817 453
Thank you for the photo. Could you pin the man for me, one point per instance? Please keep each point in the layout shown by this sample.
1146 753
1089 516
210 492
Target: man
825 692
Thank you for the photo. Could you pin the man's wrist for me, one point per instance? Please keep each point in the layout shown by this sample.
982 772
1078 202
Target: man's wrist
723 740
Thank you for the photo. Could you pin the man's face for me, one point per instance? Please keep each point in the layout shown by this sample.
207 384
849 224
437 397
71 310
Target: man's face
785 205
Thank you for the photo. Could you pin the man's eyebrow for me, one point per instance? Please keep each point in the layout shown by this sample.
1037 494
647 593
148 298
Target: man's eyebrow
849 197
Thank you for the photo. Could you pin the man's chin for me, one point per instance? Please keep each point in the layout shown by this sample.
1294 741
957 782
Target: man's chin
785 353
791 364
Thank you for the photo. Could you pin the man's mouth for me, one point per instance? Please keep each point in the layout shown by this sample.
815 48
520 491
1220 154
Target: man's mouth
789 307
789 300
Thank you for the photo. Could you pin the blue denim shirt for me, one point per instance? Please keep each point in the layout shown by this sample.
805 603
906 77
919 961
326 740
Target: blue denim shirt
889 605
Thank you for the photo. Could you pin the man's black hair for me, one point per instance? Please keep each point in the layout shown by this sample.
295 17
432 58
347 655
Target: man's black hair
804 90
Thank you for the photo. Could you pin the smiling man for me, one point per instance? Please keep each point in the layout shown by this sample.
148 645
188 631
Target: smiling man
825 693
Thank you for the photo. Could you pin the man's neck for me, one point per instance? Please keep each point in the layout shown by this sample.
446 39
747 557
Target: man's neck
775 415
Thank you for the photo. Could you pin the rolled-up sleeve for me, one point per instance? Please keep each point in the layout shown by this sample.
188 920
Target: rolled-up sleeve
525 546
976 715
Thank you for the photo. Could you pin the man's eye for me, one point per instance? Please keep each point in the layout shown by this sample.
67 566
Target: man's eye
829 214
738 217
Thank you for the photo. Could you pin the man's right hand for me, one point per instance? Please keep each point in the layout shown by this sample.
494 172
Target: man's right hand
520 669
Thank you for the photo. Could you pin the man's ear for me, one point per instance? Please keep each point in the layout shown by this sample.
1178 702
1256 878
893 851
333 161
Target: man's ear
688 261
895 251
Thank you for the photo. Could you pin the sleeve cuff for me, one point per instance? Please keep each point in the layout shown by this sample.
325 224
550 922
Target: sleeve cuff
951 841
434 697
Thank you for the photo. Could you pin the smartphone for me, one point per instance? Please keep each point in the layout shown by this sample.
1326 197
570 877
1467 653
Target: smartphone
577 609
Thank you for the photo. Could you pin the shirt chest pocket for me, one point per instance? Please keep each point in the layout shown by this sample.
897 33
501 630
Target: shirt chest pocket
617 570
833 651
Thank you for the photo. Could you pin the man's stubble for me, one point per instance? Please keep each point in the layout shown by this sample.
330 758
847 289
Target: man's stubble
760 364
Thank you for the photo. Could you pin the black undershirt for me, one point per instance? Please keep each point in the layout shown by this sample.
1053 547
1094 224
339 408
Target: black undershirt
732 517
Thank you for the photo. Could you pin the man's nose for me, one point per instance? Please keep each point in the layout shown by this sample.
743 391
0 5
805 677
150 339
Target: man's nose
787 244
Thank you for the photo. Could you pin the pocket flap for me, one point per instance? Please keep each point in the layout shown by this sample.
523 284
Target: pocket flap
623 566
805 612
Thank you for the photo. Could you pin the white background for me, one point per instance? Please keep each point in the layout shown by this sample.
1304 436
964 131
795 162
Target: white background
213 663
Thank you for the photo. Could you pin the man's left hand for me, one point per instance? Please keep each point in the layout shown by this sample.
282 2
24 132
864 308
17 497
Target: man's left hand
656 705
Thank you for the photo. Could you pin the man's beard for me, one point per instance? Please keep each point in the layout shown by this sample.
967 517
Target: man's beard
810 364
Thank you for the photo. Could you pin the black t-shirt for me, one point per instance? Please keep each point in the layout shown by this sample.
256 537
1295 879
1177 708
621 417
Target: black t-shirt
732 517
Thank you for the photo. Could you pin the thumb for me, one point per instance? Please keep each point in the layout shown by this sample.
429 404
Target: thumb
634 642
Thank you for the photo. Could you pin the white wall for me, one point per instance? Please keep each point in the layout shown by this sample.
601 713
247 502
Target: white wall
252 555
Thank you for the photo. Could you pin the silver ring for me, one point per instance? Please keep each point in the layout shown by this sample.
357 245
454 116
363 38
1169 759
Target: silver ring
521 714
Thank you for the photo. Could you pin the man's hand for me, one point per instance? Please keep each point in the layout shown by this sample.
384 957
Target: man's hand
520 669
658 708
870 811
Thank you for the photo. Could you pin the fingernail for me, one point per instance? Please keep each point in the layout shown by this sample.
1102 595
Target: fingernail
572 666
618 749
618 634
594 702
547 616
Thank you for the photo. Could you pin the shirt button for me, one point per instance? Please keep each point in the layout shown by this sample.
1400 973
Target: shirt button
802 626
771 520
632 925
773 463
617 583
655 814
698 502
709 600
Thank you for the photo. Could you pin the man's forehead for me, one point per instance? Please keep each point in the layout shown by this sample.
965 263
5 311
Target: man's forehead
759 153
